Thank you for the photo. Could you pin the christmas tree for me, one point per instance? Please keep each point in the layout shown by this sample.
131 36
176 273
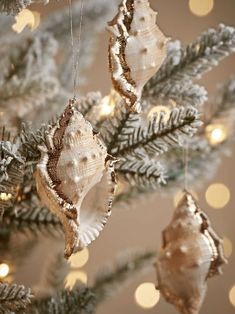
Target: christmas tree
122 146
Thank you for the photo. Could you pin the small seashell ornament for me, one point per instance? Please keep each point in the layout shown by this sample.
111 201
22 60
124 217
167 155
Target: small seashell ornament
75 179
191 253
137 49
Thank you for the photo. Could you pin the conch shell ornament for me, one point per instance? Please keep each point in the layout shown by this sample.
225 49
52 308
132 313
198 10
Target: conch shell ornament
191 253
75 179
137 49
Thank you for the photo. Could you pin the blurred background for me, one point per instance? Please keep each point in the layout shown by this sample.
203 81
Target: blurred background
138 225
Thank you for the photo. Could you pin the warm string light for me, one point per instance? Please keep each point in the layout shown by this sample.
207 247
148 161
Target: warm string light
157 109
146 295
26 18
108 103
217 195
107 106
228 247
201 7
76 274
232 296
73 277
5 196
216 134
4 270
79 259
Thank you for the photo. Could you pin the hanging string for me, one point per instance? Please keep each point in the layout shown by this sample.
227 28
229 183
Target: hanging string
185 152
75 51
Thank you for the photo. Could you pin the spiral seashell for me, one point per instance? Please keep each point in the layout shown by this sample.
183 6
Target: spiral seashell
137 49
191 253
75 179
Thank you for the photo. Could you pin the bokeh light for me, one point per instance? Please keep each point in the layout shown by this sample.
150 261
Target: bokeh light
4 270
108 103
157 109
5 196
232 296
75 276
80 258
201 7
107 107
228 247
26 18
217 195
216 134
146 295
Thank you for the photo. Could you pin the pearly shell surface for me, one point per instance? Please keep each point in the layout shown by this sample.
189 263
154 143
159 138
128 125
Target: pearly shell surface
75 179
137 49
191 253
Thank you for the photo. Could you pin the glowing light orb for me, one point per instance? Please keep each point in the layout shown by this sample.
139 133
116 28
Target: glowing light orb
217 195
146 295
201 7
80 258
4 270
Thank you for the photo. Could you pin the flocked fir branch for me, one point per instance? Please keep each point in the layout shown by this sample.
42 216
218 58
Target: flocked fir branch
205 156
12 167
80 300
222 106
15 6
95 15
32 220
185 64
85 300
57 271
88 102
110 280
14 298
141 172
28 77
158 135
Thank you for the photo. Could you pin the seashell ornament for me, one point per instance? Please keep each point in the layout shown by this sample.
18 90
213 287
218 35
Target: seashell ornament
75 179
191 253
137 49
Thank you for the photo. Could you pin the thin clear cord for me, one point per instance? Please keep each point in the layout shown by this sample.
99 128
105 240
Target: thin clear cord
75 55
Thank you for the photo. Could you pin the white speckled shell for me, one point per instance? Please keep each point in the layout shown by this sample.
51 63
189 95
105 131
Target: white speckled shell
190 254
76 180
137 49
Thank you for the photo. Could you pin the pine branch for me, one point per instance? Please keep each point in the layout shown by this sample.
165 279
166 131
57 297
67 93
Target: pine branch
30 140
222 107
84 300
32 219
27 78
15 6
14 298
110 280
57 272
80 300
159 135
141 172
11 174
182 92
88 102
95 15
113 127
182 65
